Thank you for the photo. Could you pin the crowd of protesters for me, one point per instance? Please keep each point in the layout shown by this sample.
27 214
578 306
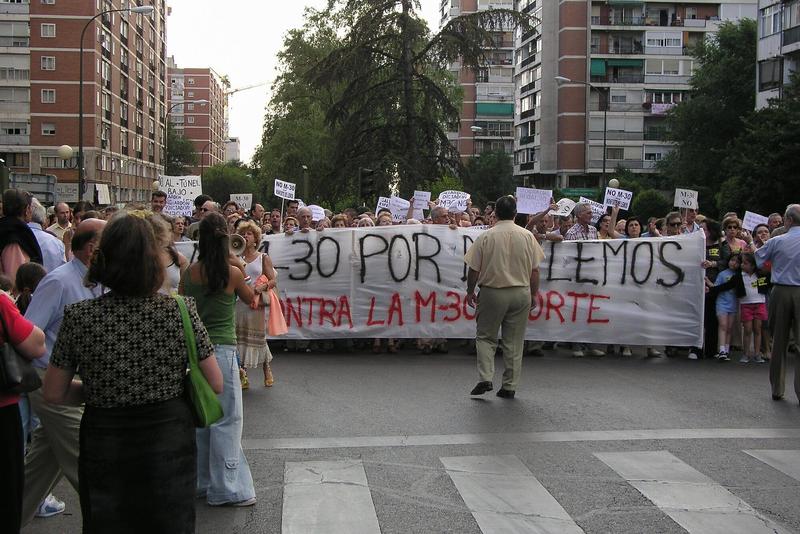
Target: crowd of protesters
73 304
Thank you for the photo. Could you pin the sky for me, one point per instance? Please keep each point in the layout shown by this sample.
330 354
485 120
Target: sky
241 39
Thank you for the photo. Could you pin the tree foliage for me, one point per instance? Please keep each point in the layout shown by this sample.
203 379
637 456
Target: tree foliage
650 203
363 84
489 176
222 180
180 153
763 169
722 95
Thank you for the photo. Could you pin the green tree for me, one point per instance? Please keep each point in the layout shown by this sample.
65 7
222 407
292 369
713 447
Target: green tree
489 176
222 180
763 162
722 96
448 182
395 98
650 203
180 153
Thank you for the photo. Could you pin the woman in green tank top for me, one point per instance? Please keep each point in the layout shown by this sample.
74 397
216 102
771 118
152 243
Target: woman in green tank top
223 474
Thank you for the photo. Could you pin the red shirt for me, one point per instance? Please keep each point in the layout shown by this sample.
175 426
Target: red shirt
19 328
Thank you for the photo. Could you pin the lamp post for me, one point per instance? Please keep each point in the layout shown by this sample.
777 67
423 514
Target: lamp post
561 80
202 102
475 130
146 10
306 195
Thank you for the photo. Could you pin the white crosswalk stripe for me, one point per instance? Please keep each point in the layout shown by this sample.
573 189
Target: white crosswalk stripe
787 462
330 497
689 497
504 496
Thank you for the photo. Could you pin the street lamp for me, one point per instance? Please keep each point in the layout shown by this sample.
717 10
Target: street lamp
475 130
145 10
561 80
306 195
202 102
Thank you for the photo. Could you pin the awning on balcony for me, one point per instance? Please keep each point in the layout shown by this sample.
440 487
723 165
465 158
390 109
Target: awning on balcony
598 67
495 109
625 62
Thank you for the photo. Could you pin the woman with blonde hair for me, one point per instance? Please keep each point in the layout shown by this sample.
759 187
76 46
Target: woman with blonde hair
173 262
251 322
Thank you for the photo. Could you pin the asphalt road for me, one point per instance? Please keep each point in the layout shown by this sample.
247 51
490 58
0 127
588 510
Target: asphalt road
394 443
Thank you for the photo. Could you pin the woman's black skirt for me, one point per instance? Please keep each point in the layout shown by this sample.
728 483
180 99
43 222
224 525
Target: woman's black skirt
138 469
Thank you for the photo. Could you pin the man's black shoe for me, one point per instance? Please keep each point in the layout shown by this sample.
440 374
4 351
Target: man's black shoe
505 393
777 397
481 388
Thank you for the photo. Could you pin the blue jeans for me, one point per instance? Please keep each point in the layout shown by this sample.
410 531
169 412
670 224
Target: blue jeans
29 418
223 473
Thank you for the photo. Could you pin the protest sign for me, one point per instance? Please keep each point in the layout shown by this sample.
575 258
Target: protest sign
421 199
285 190
453 200
618 197
383 203
686 198
103 194
300 203
317 212
565 207
598 209
407 281
531 200
243 200
751 220
399 208
181 192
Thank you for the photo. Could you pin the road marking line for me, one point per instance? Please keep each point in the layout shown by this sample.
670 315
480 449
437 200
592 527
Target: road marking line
330 497
787 462
519 437
689 497
504 496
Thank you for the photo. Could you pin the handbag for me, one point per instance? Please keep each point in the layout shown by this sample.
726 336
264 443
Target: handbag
204 403
17 374
277 322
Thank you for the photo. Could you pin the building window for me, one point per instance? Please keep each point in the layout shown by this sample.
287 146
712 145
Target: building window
617 153
190 107
191 94
48 128
14 128
48 63
190 81
48 30
49 2
770 74
770 20
48 96
190 120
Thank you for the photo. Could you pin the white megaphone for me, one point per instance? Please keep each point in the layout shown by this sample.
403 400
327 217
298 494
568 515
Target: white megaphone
237 244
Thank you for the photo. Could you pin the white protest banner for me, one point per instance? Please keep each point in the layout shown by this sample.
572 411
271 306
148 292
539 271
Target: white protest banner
243 200
103 194
421 199
686 198
317 212
751 220
407 281
565 207
285 190
598 209
300 203
531 200
453 200
618 197
383 203
399 208
181 192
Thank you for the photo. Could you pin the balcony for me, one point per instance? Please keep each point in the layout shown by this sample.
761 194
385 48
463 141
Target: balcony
124 68
616 49
107 114
526 139
527 61
617 136
9 109
612 164
15 139
528 113
617 107
791 36
123 123
621 78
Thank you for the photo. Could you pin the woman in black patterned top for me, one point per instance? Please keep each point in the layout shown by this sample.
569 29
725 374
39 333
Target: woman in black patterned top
137 466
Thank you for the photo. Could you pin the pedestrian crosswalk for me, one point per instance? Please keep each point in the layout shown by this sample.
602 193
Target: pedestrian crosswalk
504 496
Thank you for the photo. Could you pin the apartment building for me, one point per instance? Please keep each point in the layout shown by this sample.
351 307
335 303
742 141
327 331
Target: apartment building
198 104
124 93
635 56
778 47
487 112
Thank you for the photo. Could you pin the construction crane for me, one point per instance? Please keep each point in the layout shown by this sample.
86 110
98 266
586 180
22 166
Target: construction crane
246 87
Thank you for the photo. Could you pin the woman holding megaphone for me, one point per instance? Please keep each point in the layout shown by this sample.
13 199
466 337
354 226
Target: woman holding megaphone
223 474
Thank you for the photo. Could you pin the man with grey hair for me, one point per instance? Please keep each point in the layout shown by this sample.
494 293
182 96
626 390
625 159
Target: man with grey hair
52 247
583 229
784 302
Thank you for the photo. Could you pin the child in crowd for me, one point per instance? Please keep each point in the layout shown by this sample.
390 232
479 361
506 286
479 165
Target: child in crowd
726 307
28 277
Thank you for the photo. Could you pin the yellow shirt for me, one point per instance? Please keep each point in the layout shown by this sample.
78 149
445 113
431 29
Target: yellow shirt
57 231
504 256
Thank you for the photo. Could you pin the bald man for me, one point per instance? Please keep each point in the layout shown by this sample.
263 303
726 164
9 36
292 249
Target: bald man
54 448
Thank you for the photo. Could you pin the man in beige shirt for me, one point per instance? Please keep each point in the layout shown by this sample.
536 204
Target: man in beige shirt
504 263
62 223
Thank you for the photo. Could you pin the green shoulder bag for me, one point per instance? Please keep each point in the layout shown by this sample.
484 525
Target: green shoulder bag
204 403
